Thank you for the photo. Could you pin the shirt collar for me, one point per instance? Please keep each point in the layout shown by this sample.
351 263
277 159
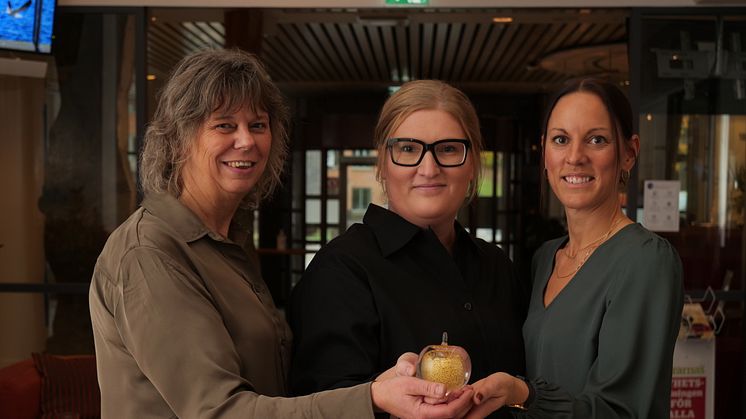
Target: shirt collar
187 225
464 238
393 232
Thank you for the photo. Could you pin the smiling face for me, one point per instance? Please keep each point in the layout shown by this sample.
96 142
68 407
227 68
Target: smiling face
580 153
427 195
228 156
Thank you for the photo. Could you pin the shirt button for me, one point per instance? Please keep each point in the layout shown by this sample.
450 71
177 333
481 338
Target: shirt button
467 306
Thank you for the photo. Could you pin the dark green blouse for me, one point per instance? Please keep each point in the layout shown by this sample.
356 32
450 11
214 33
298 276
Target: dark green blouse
604 346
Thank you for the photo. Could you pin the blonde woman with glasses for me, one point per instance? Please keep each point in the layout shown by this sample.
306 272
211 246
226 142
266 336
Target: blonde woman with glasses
409 272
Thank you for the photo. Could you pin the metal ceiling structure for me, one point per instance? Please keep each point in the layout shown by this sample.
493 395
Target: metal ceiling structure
486 49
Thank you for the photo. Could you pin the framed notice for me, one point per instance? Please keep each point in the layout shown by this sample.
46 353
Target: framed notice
661 205
693 381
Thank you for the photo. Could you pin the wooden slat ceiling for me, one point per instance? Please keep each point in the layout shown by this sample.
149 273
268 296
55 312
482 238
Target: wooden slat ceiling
319 49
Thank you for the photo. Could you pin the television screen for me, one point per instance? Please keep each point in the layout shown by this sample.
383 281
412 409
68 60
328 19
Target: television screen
26 25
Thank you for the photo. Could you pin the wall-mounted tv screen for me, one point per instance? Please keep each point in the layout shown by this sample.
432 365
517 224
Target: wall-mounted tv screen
26 25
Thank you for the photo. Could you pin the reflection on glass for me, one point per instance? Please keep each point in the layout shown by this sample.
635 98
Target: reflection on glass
487 186
309 256
332 211
313 234
362 189
485 234
313 211
331 232
707 154
490 184
332 172
313 172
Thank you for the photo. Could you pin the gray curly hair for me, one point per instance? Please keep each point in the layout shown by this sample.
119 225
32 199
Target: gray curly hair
202 83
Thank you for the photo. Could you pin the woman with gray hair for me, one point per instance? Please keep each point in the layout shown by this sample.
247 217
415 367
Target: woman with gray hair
184 325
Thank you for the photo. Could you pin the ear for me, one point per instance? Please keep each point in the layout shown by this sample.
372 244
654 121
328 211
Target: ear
632 150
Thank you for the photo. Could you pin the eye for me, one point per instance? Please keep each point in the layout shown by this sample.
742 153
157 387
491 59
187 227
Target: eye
448 148
406 148
225 127
259 126
598 139
560 140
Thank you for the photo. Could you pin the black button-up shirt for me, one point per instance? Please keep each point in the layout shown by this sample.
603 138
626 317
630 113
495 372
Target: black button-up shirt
386 287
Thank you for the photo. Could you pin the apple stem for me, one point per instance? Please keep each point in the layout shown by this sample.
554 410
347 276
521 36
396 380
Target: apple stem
445 339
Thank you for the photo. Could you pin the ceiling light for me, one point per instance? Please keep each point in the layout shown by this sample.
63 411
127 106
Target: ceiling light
502 19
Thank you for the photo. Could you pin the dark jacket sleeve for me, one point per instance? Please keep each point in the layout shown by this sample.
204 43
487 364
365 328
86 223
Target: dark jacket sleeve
335 326
631 377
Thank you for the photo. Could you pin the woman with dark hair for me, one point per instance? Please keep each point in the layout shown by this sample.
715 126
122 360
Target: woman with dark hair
409 272
184 325
607 298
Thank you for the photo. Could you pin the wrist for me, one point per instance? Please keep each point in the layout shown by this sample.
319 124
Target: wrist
523 393
373 397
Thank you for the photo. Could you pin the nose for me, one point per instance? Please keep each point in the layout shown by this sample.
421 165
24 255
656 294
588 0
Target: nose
428 166
575 153
244 139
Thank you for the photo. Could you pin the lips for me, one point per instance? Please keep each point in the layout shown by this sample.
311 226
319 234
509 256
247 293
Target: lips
240 164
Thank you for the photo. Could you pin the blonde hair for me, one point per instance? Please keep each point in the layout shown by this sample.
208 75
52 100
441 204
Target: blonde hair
202 83
430 95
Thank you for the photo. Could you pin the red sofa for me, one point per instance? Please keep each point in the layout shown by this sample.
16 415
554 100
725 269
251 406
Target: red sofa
49 386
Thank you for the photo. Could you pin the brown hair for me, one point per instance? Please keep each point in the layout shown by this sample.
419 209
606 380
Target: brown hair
430 95
202 83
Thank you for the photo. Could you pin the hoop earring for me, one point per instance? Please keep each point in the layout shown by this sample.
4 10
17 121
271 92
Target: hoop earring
624 178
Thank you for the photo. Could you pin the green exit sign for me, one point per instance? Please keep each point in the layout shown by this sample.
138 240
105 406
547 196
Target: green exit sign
407 2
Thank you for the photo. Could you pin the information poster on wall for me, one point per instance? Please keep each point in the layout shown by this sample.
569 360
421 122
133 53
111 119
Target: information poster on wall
693 381
661 205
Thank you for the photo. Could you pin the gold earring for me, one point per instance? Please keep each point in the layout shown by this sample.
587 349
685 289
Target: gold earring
624 178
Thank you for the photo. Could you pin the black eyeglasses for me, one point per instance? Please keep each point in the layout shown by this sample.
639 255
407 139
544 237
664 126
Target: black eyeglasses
410 151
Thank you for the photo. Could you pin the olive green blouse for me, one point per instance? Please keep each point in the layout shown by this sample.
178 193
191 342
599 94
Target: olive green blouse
603 348
184 326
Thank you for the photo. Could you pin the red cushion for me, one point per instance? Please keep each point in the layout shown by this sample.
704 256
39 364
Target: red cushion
20 391
69 386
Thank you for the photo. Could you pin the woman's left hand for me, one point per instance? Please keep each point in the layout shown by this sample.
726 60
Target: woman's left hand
494 392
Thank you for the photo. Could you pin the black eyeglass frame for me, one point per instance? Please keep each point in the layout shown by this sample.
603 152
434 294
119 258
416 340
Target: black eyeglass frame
428 147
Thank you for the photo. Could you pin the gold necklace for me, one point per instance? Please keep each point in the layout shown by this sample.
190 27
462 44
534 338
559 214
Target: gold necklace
590 248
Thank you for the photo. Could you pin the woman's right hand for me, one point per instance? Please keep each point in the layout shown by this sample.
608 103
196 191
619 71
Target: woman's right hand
404 397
